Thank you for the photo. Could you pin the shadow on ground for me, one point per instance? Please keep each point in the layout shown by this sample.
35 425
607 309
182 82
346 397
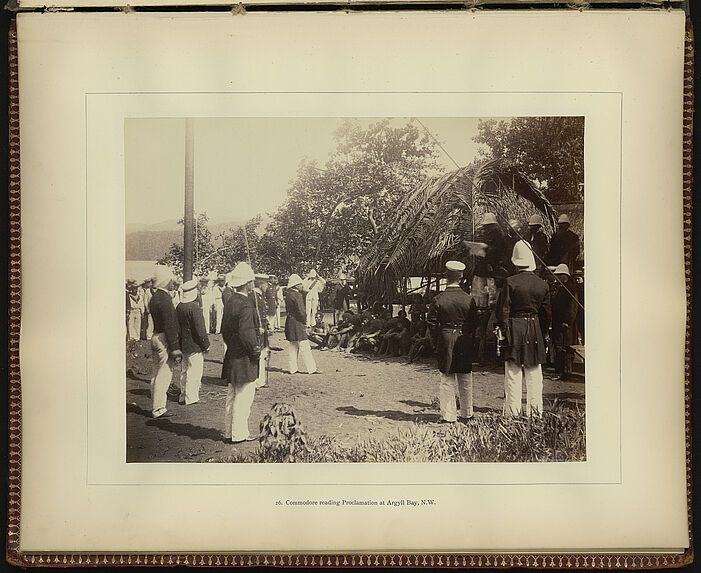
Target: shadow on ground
188 430
397 415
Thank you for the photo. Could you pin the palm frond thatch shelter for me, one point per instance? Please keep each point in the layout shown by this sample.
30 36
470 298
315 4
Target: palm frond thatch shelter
440 213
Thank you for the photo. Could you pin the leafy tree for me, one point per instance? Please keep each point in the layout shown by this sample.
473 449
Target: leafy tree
549 150
333 213
218 253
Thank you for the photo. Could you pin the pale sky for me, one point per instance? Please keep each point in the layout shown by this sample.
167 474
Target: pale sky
243 166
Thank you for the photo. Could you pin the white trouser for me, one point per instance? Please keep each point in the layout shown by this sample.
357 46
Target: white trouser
239 399
301 349
205 314
262 368
312 306
149 326
219 310
191 378
277 317
135 324
513 387
163 367
450 385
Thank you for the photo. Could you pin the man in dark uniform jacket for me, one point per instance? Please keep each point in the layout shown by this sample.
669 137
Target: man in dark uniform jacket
564 247
539 242
165 342
564 309
262 326
194 342
452 319
296 327
242 354
523 314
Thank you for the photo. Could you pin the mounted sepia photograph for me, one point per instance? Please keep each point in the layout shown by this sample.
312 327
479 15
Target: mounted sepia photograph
335 290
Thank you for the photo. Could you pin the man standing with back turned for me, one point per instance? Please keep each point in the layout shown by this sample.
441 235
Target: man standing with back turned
165 342
523 314
452 318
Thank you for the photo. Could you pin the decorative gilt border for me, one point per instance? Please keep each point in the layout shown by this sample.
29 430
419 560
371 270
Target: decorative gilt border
493 561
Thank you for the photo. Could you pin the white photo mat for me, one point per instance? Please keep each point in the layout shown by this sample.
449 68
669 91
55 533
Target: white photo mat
78 493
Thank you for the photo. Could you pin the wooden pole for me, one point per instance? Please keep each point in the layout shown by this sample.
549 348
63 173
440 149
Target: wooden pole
189 217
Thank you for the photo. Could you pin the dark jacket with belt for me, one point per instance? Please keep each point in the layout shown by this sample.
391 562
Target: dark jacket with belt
564 310
296 321
193 334
164 318
523 313
452 318
239 333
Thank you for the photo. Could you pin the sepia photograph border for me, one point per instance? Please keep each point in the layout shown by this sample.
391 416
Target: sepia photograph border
414 560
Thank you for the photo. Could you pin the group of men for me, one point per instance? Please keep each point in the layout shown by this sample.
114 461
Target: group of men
526 310
376 330
535 300
179 316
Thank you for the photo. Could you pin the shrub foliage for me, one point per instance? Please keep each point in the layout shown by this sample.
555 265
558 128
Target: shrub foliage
559 435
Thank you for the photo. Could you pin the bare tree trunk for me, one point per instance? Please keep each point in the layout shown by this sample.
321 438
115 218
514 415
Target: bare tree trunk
371 218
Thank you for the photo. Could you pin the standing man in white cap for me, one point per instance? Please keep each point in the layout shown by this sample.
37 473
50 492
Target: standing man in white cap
165 342
296 327
523 314
194 342
146 319
564 247
452 318
218 303
242 354
538 241
313 285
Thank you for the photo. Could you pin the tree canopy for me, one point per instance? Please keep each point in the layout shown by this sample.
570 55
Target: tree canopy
332 214
549 150
215 253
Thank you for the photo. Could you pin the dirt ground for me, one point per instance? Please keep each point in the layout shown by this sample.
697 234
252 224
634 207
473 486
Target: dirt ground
356 397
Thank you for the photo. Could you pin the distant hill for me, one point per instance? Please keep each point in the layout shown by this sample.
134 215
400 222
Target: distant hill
151 242
151 245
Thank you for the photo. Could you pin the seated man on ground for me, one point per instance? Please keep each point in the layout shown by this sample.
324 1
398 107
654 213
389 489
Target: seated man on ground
389 327
341 334
399 339
319 332
421 344
366 338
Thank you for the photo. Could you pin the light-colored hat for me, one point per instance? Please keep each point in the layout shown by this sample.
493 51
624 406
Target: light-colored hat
535 220
212 276
262 277
455 266
489 218
242 274
190 285
189 289
341 276
162 276
562 270
514 223
564 218
294 280
522 256
313 274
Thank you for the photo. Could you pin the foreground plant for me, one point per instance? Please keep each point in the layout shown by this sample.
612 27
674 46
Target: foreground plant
559 435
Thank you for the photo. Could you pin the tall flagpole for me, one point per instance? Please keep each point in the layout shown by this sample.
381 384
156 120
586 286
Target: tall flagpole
189 216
